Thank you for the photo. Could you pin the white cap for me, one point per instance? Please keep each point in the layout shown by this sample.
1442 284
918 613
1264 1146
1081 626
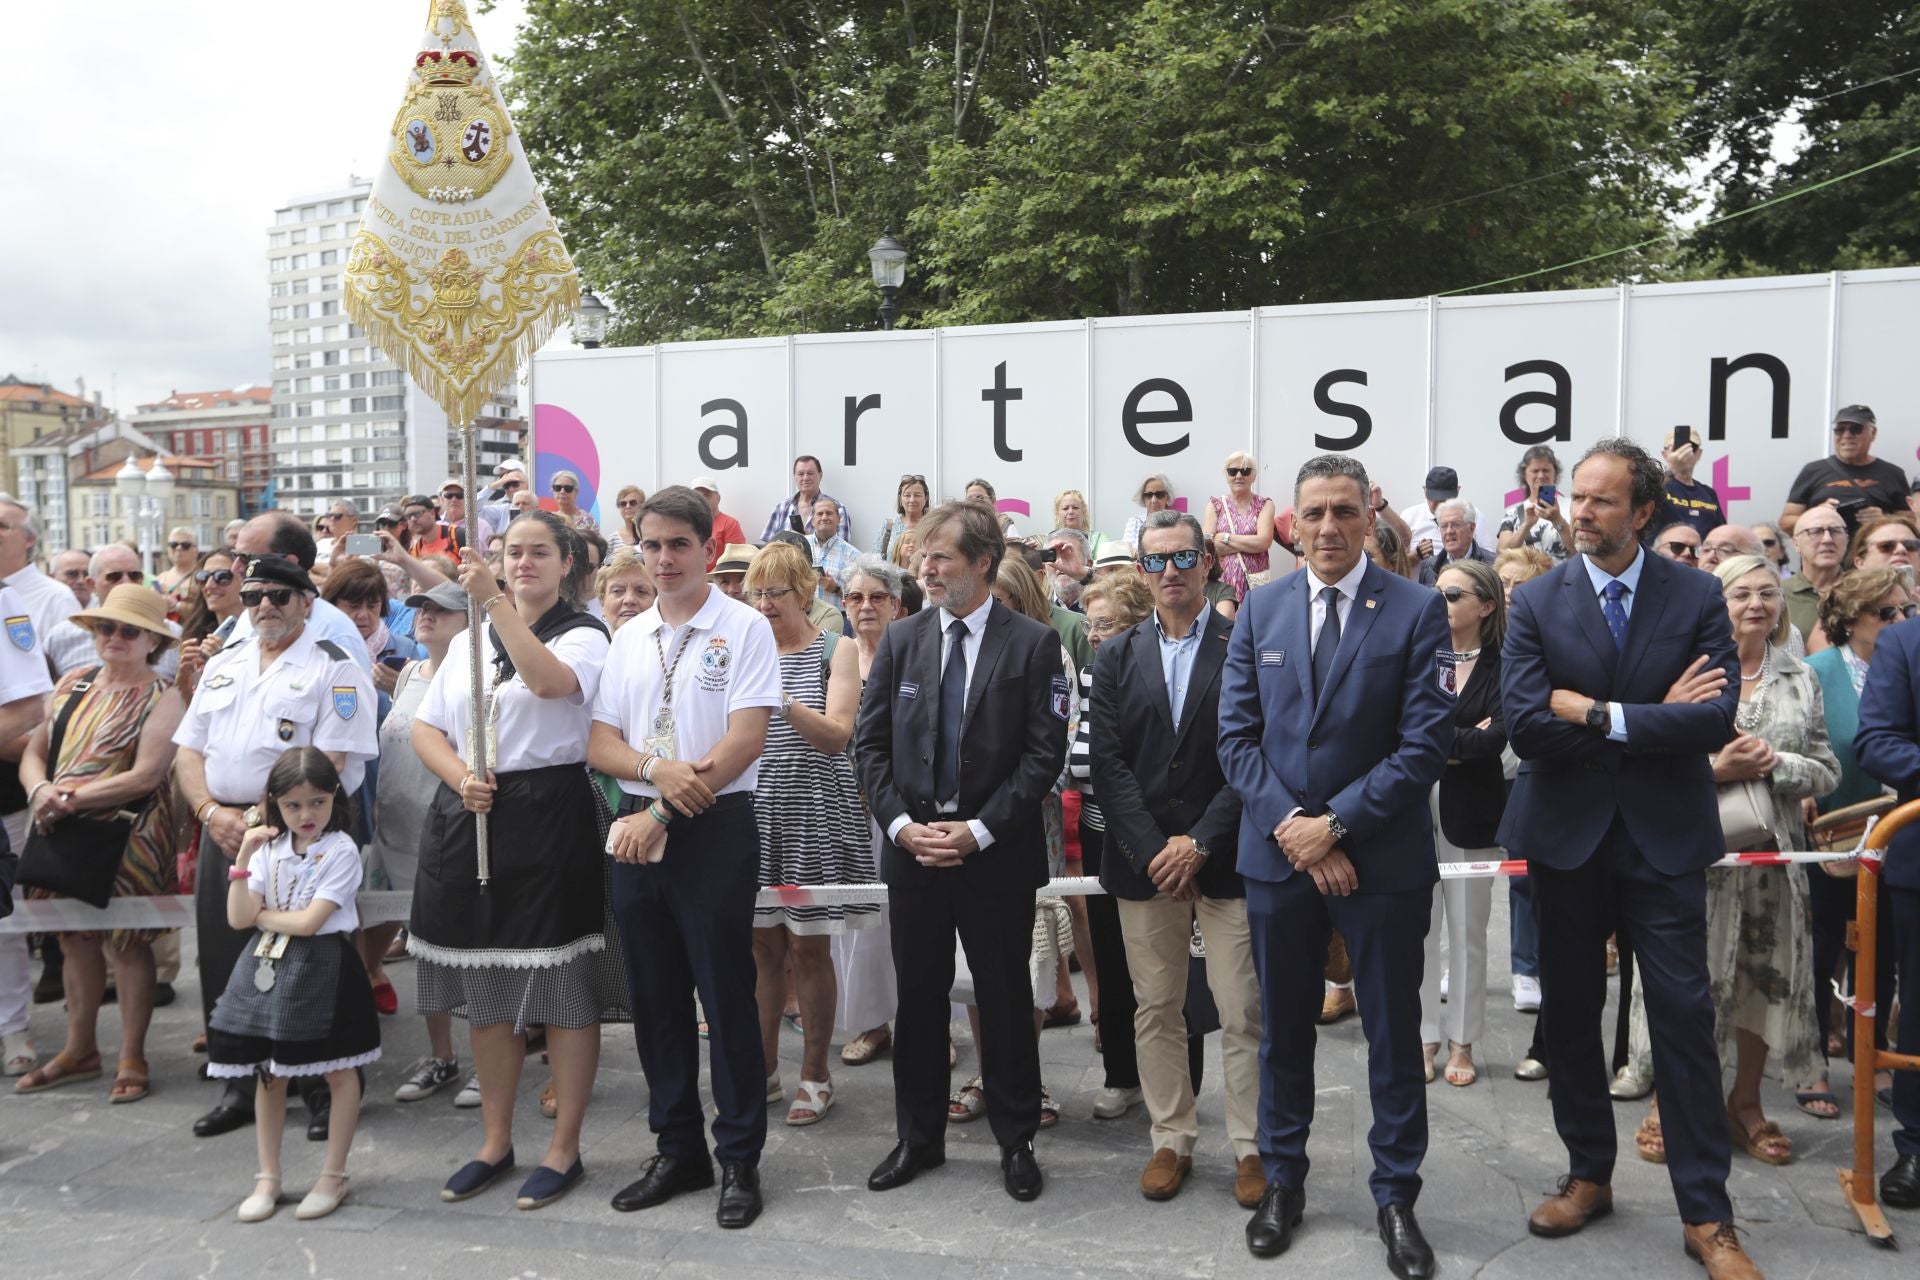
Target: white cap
511 464
704 482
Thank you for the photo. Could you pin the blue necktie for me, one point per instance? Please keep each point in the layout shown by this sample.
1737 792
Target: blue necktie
953 710
1324 648
1616 612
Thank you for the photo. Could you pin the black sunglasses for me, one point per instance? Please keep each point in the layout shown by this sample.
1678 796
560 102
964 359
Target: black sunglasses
1239 471
1686 549
453 493
218 577
1769 542
564 488
279 595
125 630
1156 561
1454 595
179 546
1153 495
1887 548
1895 612
1849 428
112 576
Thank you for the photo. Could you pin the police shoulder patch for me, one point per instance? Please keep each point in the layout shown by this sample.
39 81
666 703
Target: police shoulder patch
332 650
1057 700
20 631
346 700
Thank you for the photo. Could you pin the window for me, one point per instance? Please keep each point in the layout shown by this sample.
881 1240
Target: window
332 231
385 403
220 507
359 455
282 362
277 313
298 262
356 381
310 213
297 236
278 290
303 385
283 435
359 206
353 331
334 332
330 357
387 378
357 405
283 339
283 216
337 208
329 257
278 240
299 310
303 361
277 264
330 383
297 286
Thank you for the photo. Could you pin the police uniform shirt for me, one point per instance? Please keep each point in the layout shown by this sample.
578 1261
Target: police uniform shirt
324 620
23 667
242 719
531 732
48 601
730 663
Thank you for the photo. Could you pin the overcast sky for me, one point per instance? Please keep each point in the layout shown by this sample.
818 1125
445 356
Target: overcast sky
147 146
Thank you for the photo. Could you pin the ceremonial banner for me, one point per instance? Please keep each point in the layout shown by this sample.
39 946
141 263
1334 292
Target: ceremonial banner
457 272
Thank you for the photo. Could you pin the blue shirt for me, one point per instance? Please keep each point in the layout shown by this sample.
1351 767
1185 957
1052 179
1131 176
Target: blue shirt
1176 660
1631 577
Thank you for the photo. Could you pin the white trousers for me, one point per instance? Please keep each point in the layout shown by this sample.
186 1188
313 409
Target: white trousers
16 973
1465 906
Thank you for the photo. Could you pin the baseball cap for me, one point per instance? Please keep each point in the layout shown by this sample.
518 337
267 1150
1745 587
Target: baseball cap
510 464
450 596
1855 413
1442 483
704 482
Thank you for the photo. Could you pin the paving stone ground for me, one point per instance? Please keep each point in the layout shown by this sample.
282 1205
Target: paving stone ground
92 1190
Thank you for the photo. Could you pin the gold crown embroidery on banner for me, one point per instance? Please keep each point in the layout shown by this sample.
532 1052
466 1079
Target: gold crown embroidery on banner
450 136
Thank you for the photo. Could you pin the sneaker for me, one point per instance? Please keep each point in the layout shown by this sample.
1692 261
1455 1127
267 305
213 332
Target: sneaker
1526 993
469 1095
430 1076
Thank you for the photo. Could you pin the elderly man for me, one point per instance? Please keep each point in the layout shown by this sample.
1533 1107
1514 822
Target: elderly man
831 554
1820 536
1726 541
280 534
726 530
284 685
231 533
1678 542
1684 502
1071 568
1174 823
1419 523
69 645
72 568
339 521
1457 521
796 513
1850 479
496 503
24 686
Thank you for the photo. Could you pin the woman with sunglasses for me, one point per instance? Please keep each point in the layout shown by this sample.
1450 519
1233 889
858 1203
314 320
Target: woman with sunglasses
566 501
909 504
626 526
1154 494
1773 545
1239 527
211 616
183 555
1887 542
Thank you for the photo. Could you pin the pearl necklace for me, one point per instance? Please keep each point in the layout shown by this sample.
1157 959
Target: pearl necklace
1466 655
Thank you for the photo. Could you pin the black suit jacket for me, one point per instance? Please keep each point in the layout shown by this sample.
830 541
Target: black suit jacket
1155 779
1012 744
1473 790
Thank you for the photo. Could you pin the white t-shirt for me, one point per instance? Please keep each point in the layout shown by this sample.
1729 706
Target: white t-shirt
23 665
330 870
1422 523
531 732
730 662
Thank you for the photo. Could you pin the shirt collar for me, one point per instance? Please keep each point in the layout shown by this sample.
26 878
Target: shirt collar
1631 576
705 618
1348 586
1199 621
976 621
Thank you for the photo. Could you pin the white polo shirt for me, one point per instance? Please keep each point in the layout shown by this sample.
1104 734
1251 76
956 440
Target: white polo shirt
730 663
288 881
23 666
243 719
531 732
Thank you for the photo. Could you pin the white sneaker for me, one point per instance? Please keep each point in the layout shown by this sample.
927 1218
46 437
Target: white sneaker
469 1095
1526 993
1111 1104
17 1053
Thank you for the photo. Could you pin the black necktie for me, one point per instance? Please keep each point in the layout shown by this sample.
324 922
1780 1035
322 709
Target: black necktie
1329 642
953 709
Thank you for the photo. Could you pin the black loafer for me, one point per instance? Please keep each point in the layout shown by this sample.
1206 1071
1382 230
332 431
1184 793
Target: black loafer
475 1176
1408 1254
1020 1171
319 1125
739 1194
222 1119
903 1164
1270 1230
1900 1185
664 1178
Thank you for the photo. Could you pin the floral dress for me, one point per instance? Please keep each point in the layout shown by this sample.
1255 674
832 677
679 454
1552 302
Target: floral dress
1236 565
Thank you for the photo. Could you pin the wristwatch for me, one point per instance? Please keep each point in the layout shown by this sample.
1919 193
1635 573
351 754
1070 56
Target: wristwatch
786 703
252 816
1336 828
1202 850
1598 717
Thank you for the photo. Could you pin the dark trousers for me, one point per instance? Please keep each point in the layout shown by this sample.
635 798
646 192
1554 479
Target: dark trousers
1523 932
1664 920
997 931
1290 922
686 923
1117 1005
1905 921
1833 901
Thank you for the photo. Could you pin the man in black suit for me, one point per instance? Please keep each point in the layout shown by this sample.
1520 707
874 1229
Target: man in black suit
1172 827
962 732
1614 809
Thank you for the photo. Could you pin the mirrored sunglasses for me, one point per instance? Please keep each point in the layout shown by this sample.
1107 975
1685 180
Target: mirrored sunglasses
1156 562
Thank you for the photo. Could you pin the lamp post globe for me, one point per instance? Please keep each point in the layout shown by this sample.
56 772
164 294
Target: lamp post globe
590 320
889 261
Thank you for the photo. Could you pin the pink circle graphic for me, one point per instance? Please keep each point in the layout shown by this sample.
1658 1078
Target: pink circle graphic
565 444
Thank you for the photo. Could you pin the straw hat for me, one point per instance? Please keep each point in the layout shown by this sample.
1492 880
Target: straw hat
132 603
734 559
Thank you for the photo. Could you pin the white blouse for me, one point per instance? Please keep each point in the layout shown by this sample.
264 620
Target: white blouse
531 732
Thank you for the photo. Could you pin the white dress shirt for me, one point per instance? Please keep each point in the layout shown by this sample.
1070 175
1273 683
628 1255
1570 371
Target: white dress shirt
976 624
1349 589
1600 578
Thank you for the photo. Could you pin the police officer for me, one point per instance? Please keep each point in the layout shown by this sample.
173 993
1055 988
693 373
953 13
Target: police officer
24 685
280 687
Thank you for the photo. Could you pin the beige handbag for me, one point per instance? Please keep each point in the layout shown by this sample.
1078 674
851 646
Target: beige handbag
1746 816
1259 579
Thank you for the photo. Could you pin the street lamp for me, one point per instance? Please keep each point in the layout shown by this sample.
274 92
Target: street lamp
590 320
147 491
889 259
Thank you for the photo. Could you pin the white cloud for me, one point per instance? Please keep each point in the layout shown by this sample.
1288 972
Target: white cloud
147 146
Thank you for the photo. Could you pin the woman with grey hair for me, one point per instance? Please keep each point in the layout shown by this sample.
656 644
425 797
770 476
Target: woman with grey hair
566 501
1539 519
1154 494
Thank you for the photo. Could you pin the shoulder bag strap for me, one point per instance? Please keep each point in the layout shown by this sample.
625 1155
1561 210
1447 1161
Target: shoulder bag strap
58 733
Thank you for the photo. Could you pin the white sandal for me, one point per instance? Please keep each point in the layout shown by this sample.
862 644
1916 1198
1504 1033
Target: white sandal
258 1208
812 1095
775 1092
317 1205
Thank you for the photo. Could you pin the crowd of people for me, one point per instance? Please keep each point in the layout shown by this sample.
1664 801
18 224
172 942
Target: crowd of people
1264 769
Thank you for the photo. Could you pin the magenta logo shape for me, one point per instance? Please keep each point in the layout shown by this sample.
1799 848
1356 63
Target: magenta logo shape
565 444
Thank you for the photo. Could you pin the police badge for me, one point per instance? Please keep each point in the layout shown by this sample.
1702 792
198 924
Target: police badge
285 730
450 136
20 631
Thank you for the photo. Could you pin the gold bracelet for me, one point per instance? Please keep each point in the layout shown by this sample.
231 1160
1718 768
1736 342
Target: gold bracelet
492 601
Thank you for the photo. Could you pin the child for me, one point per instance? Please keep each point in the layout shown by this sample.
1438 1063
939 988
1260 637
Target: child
298 1003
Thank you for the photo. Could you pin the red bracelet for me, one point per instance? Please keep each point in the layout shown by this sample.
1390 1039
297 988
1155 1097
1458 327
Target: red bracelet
238 873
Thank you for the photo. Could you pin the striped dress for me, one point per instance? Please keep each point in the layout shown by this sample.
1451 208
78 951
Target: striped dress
1080 757
813 823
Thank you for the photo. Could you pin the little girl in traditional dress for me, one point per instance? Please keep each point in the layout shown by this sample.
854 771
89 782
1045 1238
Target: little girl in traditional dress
299 1002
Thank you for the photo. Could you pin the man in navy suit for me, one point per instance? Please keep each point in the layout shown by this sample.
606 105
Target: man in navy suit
1335 720
1614 808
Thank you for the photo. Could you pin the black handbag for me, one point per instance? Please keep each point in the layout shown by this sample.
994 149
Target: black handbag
81 856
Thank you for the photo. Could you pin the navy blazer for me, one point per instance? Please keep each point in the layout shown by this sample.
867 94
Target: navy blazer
1368 749
1573 782
1154 779
1012 744
1887 745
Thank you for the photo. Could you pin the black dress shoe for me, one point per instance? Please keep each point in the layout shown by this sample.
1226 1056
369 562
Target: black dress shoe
1021 1171
319 1123
1900 1185
903 1164
224 1118
1270 1230
664 1178
1408 1254
163 994
739 1194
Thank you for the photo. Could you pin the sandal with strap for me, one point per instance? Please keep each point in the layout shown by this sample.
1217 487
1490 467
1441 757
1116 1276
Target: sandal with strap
130 1081
866 1046
1811 1099
1049 1109
967 1103
1649 1141
317 1203
813 1097
59 1070
549 1104
257 1207
1460 1069
1764 1141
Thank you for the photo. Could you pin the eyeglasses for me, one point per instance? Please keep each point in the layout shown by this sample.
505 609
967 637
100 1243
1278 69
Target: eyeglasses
1153 495
112 576
1765 595
1896 544
124 630
1849 428
1683 549
628 502
1769 542
565 488
453 493
1102 626
761 595
1156 562
1895 612
279 595
386 522
411 512
854 599
1822 531
1454 595
1239 471
179 546
218 577
1452 526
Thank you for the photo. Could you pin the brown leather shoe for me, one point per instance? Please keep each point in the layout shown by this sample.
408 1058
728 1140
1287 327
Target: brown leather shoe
1164 1174
1249 1182
1716 1246
1338 1004
1572 1207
